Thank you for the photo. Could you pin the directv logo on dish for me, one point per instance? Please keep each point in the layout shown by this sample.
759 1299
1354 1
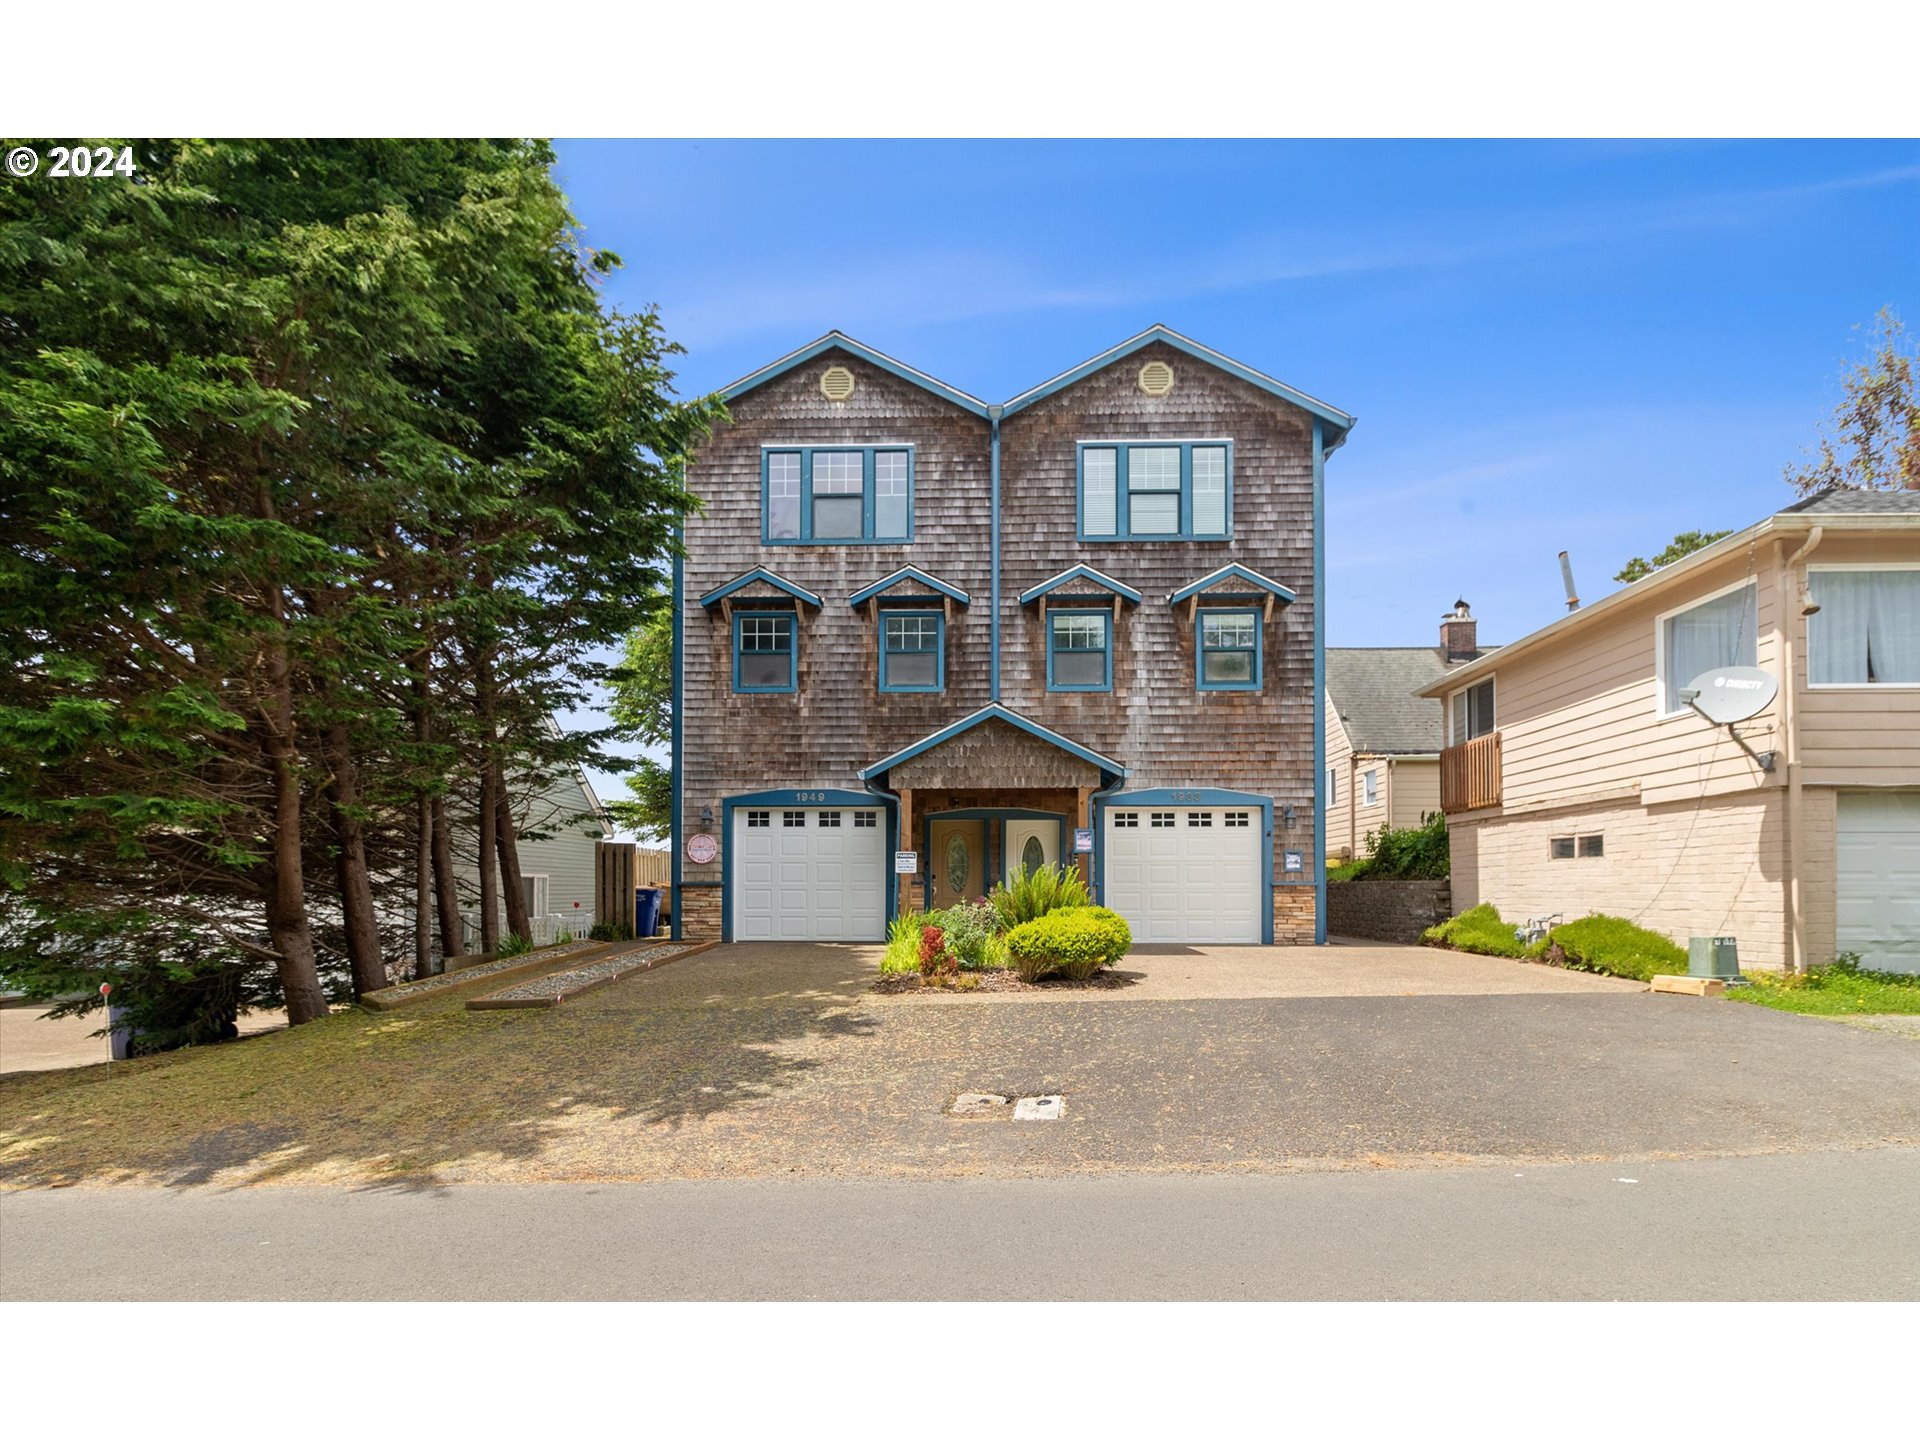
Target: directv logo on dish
1722 680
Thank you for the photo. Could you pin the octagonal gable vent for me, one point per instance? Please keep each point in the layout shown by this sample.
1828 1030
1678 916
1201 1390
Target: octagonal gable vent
837 383
1156 377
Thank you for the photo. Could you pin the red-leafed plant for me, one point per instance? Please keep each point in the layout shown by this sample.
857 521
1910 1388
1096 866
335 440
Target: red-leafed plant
936 962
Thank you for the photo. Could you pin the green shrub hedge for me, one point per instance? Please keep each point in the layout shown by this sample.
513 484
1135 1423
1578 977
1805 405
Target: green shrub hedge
1075 943
1480 930
1608 945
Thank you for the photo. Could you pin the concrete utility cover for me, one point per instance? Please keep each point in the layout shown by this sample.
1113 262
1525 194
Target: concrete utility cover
972 1104
1040 1107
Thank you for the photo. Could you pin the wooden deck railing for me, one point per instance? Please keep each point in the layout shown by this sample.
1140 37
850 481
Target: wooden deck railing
1470 774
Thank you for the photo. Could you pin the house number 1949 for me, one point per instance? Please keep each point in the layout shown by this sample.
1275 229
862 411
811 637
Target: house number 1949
801 797
1179 797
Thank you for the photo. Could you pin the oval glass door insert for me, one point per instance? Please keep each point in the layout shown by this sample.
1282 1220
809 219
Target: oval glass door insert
957 863
1033 855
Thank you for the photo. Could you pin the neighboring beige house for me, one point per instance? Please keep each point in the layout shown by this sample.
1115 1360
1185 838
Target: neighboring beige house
1383 738
1578 779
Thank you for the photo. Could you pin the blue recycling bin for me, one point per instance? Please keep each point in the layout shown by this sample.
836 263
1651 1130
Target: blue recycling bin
646 912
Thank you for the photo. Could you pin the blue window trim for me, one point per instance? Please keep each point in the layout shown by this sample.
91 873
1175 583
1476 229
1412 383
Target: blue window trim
1106 619
1200 652
793 652
1122 517
940 652
806 454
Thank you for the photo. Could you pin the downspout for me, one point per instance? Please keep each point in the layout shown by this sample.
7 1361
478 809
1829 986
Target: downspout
1790 623
1319 687
1097 861
893 812
993 624
677 840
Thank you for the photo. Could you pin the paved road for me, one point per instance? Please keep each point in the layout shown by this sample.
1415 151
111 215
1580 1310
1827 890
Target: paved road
1810 1226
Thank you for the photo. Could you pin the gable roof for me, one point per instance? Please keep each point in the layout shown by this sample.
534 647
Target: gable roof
1836 501
1075 575
837 340
900 577
1338 421
1250 582
759 575
980 717
1376 694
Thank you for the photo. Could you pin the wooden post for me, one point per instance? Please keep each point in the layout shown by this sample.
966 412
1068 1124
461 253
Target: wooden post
904 883
1085 822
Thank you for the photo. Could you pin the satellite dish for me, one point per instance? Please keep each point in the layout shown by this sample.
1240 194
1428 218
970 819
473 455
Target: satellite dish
1732 693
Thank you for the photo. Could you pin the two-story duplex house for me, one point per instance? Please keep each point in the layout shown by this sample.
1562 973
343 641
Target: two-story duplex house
1579 778
923 641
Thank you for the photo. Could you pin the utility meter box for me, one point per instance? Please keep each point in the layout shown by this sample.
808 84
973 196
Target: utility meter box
1713 957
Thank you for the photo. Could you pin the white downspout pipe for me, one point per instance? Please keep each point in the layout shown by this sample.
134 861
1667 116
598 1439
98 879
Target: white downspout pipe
1792 584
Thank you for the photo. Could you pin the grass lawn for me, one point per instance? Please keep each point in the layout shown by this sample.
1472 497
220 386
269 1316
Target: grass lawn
436 1090
1838 989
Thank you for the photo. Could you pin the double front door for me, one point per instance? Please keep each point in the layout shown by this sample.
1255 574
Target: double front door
957 854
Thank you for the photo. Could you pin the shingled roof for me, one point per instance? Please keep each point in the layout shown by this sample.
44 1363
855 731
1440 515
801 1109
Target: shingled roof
1857 502
1373 692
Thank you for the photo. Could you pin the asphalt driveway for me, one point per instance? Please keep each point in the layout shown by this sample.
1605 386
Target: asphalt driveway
777 1061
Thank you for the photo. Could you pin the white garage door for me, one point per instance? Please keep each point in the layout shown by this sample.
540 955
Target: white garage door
809 875
1877 874
1185 875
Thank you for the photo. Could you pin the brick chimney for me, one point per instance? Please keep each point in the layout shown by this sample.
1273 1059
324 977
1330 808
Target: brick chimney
1459 634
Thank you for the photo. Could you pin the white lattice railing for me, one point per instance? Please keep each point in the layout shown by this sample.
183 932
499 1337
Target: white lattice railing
546 928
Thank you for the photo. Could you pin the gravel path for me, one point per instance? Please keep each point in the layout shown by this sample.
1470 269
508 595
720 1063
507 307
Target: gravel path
492 967
552 989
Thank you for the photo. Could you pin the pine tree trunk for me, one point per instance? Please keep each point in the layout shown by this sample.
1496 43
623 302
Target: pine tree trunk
489 871
356 888
445 887
423 888
507 842
284 880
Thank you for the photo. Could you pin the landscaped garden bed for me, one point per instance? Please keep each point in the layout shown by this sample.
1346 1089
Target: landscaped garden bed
1040 930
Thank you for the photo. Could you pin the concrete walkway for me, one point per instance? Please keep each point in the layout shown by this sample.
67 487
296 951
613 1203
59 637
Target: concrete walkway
1301 972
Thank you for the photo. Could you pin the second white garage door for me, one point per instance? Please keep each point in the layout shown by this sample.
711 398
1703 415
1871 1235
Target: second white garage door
1877 878
809 875
1185 875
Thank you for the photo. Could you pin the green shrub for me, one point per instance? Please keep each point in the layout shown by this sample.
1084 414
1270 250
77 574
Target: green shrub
610 930
1480 930
1037 892
565 937
902 955
514 945
1076 943
967 928
1418 852
1608 945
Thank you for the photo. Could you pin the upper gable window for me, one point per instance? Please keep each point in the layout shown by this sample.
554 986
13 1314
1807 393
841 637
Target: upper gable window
836 495
1166 490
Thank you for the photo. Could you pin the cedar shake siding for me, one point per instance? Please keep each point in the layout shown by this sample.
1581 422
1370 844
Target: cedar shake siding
1167 731
1155 733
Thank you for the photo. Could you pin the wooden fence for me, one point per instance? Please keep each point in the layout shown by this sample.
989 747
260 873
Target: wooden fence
619 867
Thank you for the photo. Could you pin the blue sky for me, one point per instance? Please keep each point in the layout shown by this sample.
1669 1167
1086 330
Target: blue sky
1587 346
